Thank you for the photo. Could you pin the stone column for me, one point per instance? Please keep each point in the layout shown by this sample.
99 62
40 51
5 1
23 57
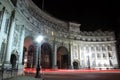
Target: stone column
69 57
21 44
115 57
90 52
10 37
54 61
55 57
36 57
107 56
79 56
95 56
20 65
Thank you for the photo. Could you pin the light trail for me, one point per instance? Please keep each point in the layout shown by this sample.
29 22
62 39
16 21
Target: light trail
33 70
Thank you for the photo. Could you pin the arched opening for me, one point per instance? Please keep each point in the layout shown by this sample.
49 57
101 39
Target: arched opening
46 56
13 60
28 51
62 57
75 65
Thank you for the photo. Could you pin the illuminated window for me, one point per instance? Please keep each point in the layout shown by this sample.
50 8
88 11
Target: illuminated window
52 33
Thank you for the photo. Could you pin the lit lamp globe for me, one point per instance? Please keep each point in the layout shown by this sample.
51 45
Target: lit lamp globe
39 39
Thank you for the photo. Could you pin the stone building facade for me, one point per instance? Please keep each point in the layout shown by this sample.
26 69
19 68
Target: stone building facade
65 45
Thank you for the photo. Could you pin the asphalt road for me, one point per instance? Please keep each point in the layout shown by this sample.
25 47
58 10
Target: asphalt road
83 76
77 74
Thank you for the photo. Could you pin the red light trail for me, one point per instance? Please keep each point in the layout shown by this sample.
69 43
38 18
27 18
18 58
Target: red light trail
33 70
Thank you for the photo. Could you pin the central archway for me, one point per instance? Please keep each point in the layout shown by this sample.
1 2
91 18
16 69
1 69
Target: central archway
46 56
62 57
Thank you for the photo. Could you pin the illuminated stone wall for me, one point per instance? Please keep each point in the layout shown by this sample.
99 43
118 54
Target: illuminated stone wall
89 49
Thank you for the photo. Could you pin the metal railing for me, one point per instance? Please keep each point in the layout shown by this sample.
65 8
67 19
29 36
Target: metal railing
7 72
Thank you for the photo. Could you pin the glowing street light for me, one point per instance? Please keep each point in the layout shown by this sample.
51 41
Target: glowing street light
39 40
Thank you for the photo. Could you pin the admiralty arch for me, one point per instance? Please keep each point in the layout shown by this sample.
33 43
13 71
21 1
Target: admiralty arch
65 46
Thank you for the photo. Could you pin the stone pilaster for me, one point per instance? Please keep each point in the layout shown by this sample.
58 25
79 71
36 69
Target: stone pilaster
108 56
20 66
10 37
95 56
54 61
69 57
115 57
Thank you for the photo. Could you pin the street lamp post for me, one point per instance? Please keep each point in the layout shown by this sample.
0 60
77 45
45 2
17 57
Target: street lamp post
38 51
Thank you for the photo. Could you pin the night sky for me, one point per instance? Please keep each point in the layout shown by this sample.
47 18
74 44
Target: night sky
92 15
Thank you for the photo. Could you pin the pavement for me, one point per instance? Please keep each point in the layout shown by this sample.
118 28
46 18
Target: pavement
23 78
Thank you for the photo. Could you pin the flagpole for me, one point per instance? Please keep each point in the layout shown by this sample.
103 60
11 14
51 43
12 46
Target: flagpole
42 4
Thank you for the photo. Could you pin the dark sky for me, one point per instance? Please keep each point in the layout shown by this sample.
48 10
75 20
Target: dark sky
97 13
